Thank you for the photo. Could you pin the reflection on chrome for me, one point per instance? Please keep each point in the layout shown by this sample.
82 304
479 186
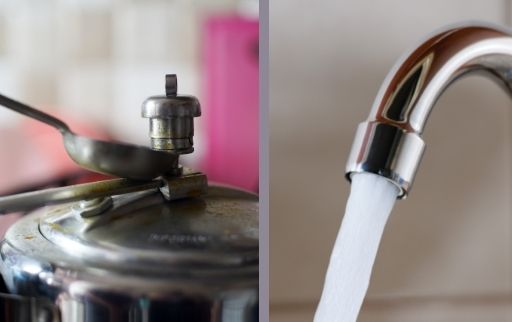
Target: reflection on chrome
389 143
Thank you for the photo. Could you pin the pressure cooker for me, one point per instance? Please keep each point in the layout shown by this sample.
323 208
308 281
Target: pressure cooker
157 243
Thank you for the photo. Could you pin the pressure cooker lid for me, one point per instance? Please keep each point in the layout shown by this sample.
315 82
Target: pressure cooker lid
143 231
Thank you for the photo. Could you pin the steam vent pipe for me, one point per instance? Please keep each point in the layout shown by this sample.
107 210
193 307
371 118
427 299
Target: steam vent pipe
389 143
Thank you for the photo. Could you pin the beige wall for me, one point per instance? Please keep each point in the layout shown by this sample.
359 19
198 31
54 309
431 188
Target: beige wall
446 254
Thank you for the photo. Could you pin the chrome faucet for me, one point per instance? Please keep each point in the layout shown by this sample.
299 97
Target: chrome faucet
389 143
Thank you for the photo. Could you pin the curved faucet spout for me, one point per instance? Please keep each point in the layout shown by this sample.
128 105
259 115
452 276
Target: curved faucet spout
389 143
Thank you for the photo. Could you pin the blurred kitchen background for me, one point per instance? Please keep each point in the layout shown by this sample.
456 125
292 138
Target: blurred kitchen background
446 254
93 63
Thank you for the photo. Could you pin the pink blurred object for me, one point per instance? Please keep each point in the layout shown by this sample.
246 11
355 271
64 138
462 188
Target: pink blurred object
33 153
230 107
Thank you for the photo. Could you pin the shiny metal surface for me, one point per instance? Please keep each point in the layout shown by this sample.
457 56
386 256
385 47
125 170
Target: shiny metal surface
189 184
112 158
171 119
15 308
31 200
218 230
388 151
185 186
389 143
93 207
189 260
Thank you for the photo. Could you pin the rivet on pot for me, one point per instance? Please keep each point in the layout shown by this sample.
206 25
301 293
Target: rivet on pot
93 207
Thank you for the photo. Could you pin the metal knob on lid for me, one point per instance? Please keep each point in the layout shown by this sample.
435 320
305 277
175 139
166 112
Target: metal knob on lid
171 126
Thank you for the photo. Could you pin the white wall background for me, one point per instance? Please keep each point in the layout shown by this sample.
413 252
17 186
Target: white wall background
99 59
446 254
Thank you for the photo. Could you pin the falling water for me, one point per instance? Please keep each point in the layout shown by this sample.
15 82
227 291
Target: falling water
348 275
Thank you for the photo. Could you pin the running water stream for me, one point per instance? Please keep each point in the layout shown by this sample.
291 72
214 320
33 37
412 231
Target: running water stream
371 199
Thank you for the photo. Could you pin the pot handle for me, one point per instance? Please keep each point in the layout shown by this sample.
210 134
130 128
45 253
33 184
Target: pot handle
17 308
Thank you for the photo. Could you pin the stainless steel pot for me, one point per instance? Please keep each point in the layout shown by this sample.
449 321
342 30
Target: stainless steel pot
171 249
146 259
